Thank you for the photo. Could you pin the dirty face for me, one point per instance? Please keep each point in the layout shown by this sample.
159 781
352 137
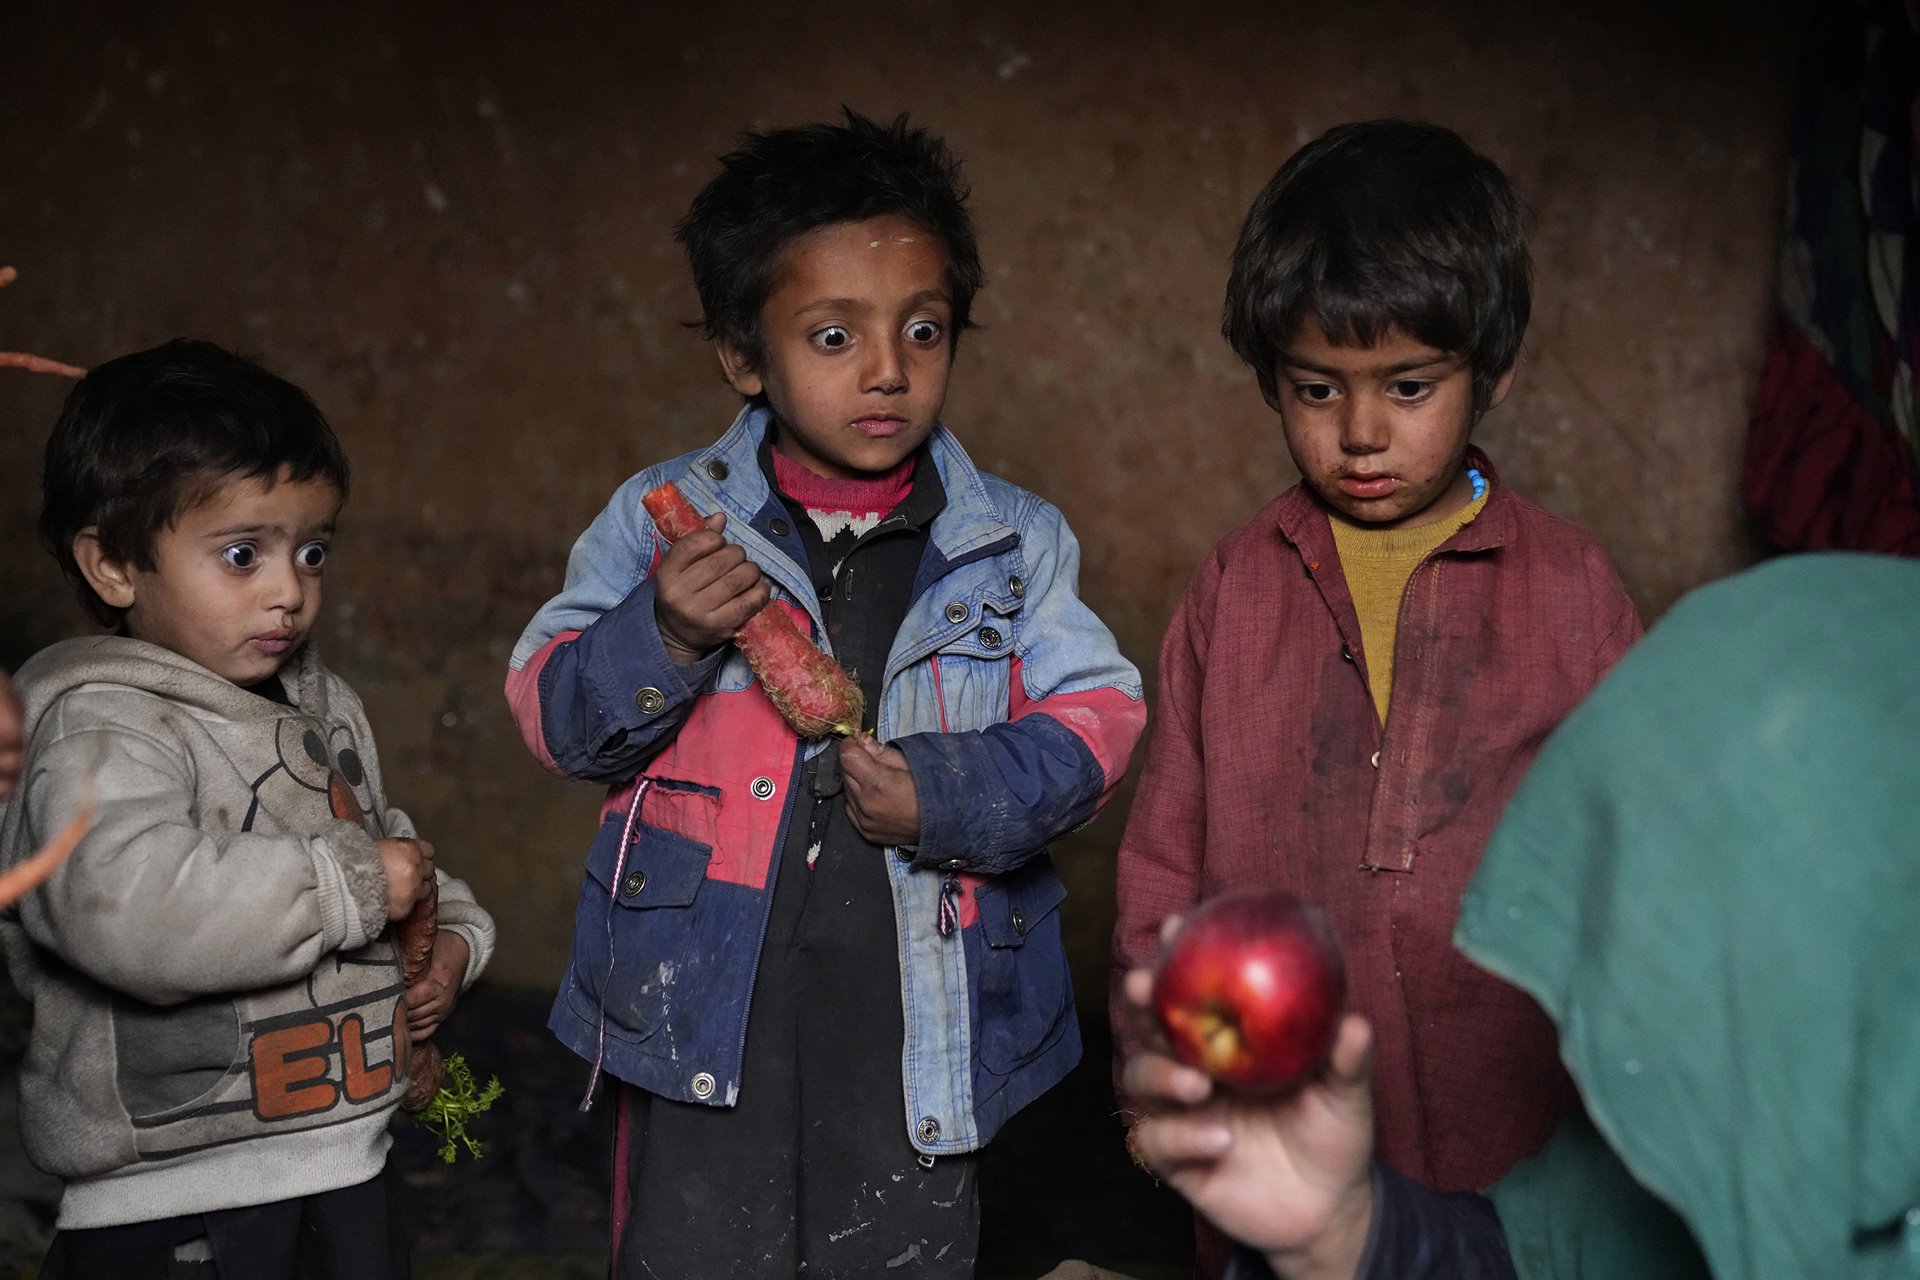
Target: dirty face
858 346
1379 432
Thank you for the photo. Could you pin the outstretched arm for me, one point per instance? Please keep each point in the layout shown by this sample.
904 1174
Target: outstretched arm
1292 1177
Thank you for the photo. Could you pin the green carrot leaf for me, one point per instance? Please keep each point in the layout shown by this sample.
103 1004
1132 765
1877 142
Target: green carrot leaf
459 1100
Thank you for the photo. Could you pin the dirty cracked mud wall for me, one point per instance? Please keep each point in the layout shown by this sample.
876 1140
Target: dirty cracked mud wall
451 223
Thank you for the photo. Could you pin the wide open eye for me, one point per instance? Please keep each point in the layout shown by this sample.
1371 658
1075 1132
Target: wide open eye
311 556
1410 389
241 555
925 332
832 338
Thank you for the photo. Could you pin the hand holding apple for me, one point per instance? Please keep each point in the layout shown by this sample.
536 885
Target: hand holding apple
1287 1174
1249 989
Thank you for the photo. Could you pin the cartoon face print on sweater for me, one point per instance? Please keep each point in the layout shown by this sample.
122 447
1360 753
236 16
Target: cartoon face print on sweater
308 1053
323 758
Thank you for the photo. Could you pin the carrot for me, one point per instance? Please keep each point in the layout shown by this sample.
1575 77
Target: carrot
413 938
27 875
32 363
39 364
441 1093
811 690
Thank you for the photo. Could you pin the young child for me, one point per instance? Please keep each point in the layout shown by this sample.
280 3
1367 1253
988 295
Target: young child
824 973
1357 677
219 1023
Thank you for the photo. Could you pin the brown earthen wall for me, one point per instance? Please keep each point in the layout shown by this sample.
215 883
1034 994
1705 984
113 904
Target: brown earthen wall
451 223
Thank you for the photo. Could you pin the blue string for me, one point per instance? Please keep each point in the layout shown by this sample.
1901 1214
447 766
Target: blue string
1479 483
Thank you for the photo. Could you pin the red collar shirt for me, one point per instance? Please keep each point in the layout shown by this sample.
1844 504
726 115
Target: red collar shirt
1268 765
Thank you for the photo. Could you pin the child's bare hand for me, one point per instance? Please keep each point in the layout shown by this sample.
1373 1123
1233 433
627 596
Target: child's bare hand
13 741
1288 1175
704 591
409 865
881 797
431 999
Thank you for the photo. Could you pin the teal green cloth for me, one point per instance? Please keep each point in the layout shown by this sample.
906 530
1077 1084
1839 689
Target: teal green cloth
1710 880
1573 1212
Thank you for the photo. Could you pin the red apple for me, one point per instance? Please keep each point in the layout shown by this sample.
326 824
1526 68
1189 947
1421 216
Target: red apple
1250 989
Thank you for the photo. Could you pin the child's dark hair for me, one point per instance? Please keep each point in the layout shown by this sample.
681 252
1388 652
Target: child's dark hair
780 184
147 436
1378 224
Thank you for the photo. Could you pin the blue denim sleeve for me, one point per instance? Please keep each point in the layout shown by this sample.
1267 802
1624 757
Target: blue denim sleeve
991 799
611 697
1417 1234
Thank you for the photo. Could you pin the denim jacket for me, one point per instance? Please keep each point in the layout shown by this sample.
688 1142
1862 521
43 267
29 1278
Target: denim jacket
1014 708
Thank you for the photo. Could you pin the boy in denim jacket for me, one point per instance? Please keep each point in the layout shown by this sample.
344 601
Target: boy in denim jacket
883 906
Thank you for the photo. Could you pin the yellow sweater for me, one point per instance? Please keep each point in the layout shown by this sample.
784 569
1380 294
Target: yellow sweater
1377 564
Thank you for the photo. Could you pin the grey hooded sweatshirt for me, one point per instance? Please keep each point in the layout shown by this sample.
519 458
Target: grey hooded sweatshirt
214 985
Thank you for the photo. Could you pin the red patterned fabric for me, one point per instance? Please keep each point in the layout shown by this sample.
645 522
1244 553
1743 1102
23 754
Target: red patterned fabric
1823 474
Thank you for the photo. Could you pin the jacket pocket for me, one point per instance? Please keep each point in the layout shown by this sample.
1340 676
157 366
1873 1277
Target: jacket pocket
973 668
167 1059
634 925
1025 996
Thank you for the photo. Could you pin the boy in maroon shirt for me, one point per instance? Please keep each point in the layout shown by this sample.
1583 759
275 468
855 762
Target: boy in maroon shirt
1357 677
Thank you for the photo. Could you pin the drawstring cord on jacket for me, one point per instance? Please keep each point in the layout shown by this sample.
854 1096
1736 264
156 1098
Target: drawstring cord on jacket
613 956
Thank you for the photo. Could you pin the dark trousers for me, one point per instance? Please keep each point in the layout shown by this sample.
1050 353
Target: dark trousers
355 1233
811 1173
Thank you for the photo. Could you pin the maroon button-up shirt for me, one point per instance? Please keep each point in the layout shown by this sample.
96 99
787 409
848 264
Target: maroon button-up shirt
1268 765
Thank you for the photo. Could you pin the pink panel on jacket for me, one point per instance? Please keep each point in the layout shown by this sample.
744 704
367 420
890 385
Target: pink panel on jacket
523 699
737 744
1106 719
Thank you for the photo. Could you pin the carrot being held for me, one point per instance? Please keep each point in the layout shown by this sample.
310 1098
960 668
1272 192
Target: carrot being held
27 360
746 867
711 592
441 1093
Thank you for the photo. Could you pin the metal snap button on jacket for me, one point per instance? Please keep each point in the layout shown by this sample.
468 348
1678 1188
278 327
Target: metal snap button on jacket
1019 921
718 471
929 1129
780 528
956 612
989 637
702 1085
762 787
1018 587
650 700
635 882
